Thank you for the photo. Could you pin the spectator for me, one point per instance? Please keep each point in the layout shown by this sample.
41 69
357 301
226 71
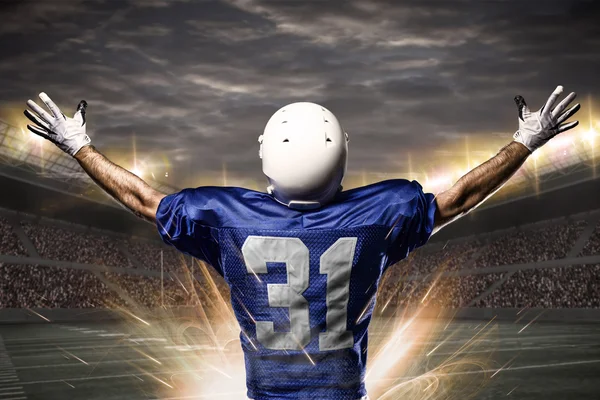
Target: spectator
592 247
566 287
415 281
9 243
149 256
540 244
63 245
29 286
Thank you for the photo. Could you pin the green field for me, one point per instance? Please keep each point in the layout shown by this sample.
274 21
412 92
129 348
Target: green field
117 360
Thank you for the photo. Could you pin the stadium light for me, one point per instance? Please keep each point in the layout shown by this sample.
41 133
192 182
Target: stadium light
561 142
440 182
33 136
589 135
137 171
463 172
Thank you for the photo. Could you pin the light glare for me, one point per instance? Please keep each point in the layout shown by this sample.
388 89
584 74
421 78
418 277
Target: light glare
589 135
137 171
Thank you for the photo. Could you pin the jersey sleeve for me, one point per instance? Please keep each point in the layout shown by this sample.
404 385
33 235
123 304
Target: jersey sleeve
414 223
188 221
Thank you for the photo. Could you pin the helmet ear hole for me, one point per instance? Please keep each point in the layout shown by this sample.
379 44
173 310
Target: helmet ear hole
286 140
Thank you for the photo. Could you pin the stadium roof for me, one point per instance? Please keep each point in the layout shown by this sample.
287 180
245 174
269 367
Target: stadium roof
565 160
23 157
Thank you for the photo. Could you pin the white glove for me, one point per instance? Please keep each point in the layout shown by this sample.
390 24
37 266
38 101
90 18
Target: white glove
67 133
535 129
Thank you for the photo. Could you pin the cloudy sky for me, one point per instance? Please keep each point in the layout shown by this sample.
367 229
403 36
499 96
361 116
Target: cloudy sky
192 83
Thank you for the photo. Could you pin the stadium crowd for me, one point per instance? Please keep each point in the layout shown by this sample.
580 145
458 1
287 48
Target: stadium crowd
416 280
60 244
450 292
146 291
512 247
592 247
33 286
549 242
568 287
451 257
9 243
149 255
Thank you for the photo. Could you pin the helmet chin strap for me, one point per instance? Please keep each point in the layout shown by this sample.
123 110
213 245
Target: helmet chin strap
303 205
299 204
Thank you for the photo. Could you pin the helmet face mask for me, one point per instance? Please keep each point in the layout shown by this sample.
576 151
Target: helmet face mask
304 153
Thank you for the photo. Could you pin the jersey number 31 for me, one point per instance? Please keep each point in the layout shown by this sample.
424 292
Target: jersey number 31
336 263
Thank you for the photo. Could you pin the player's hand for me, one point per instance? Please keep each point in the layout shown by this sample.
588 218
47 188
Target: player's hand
67 133
536 128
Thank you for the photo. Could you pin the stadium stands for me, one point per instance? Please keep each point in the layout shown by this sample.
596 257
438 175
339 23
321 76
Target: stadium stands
63 245
568 287
592 247
474 271
9 243
451 257
145 291
533 245
149 255
32 286
449 292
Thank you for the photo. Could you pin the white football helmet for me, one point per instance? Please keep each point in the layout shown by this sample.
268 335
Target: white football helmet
304 152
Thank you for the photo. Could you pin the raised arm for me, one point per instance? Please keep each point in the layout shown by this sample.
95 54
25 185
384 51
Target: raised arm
479 184
69 135
125 187
535 129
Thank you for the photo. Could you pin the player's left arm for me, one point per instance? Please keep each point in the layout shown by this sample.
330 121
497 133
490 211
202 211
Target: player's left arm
535 129
479 184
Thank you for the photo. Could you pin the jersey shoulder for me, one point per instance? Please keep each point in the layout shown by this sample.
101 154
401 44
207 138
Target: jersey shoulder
220 207
382 203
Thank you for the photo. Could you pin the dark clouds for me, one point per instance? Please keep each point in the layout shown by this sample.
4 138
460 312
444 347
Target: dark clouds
196 81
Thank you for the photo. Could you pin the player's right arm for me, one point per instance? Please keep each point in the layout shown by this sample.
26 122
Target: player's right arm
125 187
69 135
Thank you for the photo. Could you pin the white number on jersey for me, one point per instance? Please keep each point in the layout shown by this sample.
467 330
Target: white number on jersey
336 262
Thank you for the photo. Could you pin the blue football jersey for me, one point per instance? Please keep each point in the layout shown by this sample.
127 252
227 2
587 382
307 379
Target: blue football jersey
303 283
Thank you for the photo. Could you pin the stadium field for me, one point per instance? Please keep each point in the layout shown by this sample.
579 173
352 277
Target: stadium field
478 359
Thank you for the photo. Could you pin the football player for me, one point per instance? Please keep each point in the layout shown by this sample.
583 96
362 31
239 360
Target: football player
304 259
